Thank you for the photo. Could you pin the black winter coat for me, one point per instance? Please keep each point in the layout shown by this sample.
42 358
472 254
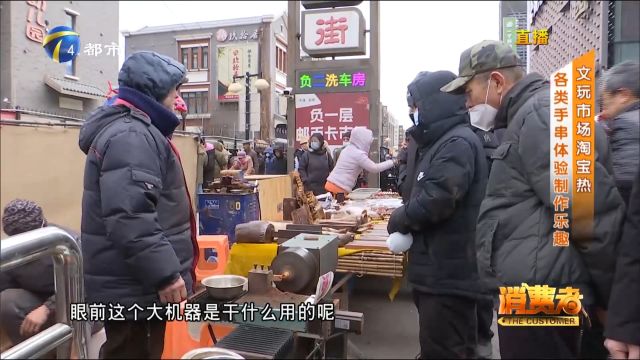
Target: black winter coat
515 225
448 186
136 229
314 170
623 318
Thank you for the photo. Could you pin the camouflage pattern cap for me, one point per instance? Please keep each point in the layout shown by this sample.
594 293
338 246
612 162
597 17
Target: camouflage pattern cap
485 56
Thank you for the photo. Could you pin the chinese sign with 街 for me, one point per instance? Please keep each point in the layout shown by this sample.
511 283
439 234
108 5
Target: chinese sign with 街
235 60
36 27
333 32
338 80
539 305
571 155
330 114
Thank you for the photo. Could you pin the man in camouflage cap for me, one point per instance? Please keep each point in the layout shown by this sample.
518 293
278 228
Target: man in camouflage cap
492 62
514 236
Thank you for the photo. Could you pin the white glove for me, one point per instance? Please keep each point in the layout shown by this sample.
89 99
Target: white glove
399 243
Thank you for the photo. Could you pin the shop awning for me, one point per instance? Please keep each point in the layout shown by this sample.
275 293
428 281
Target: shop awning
279 120
74 88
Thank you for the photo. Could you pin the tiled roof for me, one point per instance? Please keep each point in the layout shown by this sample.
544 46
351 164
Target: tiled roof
75 88
199 25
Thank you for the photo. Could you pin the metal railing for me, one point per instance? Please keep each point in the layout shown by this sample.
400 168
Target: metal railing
69 286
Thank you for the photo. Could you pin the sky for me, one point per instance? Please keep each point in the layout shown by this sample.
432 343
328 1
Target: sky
415 35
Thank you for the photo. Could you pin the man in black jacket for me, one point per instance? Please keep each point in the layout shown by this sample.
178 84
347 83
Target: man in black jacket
623 320
138 230
515 225
440 213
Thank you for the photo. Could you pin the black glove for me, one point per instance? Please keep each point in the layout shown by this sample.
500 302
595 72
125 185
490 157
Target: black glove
398 222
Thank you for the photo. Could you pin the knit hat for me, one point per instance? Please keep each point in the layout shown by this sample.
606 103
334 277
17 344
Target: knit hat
241 154
20 216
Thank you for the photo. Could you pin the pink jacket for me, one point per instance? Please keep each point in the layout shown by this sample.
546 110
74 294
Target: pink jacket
355 158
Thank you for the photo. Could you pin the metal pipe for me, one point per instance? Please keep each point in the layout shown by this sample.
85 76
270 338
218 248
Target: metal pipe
40 344
69 286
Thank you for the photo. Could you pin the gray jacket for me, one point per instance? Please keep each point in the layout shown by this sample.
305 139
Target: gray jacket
515 225
624 137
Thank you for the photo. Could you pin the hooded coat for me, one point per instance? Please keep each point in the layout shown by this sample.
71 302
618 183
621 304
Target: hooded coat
515 225
314 168
448 187
138 228
354 158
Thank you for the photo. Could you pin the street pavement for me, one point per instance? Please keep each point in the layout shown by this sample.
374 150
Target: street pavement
390 327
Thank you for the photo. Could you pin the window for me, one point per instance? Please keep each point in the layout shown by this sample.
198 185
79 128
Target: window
626 41
70 68
281 59
197 102
185 57
205 57
195 58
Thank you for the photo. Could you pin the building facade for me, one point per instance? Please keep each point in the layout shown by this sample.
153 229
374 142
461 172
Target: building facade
213 53
32 85
575 27
389 129
513 16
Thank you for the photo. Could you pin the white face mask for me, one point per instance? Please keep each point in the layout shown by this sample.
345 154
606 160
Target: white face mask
416 117
483 116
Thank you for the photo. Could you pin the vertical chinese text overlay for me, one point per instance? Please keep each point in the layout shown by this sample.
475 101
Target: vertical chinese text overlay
572 151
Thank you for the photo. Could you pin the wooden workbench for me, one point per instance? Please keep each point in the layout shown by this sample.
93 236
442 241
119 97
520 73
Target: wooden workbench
272 189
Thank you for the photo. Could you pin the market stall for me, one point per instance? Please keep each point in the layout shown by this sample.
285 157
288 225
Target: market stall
273 262
359 224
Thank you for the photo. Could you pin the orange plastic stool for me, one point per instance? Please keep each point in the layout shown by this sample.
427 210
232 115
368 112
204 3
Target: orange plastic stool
221 244
177 340
220 330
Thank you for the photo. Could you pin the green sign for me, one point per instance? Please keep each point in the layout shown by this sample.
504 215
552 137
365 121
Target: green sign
509 27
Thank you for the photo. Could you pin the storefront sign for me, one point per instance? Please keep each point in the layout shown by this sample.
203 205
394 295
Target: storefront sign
331 115
235 60
335 32
281 131
509 25
36 27
223 35
335 80
328 4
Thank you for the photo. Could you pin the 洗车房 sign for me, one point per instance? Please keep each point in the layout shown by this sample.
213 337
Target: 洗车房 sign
331 80
333 32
